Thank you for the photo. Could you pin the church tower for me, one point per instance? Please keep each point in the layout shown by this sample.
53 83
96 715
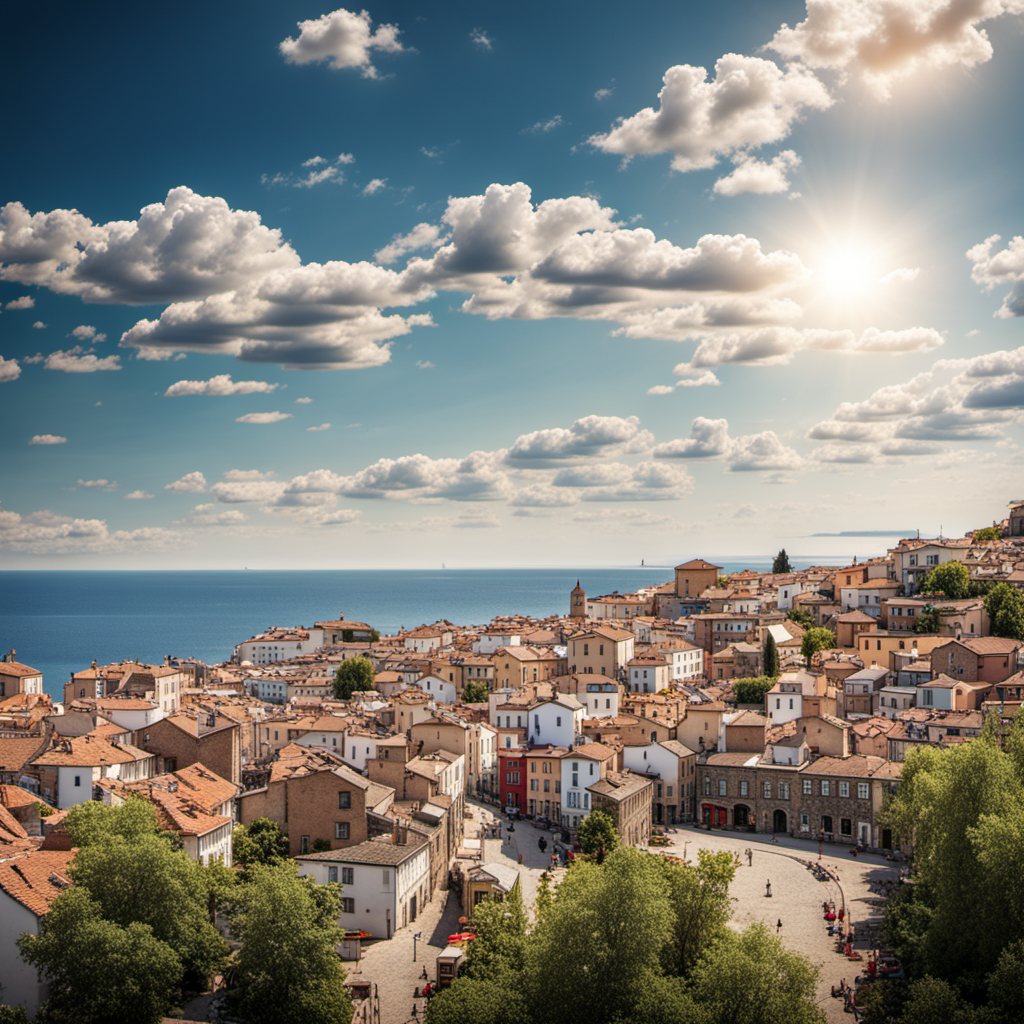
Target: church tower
578 602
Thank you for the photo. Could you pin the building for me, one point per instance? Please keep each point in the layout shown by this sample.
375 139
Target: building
604 650
279 644
16 678
71 768
988 659
628 798
671 765
496 881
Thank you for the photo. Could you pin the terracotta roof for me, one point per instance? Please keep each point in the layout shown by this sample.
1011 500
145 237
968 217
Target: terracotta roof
374 851
89 751
16 753
699 563
597 751
15 668
36 879
989 645
15 796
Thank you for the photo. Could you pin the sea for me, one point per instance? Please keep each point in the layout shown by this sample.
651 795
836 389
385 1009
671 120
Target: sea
59 621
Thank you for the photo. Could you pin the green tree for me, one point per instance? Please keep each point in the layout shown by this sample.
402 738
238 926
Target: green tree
934 999
751 690
475 692
988 533
1006 985
600 942
951 578
92 822
500 944
354 675
100 972
817 638
147 882
929 620
1009 620
770 656
478 1001
598 835
995 598
259 842
751 978
801 616
287 969
781 562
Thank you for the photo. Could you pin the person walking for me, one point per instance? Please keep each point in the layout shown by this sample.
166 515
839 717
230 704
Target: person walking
768 888
778 926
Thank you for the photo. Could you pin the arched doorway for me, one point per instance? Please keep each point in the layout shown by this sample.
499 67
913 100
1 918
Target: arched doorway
741 816
779 822
826 823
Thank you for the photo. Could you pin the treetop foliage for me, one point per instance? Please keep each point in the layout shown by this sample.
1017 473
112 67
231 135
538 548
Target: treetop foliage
598 835
951 578
354 675
751 689
817 638
781 562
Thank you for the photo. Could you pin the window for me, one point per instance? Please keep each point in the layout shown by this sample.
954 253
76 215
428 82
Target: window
533 785
533 766
304 844
347 876
348 905
575 779
862 791
341 830
547 785
744 788
783 790
790 703
766 790
808 787
558 786
558 722
845 827
805 823
344 801
586 650
332 874
844 789
721 787
707 786
668 791
826 788
78 780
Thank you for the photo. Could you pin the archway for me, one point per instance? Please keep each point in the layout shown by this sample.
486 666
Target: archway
779 822
741 816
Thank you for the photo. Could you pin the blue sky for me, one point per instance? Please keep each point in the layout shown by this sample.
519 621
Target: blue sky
293 285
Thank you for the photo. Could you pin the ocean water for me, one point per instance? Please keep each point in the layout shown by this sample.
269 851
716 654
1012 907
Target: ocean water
59 621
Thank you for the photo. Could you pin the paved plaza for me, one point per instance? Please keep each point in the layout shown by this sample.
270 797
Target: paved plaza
796 901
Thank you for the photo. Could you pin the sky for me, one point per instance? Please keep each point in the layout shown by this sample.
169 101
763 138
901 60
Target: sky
291 286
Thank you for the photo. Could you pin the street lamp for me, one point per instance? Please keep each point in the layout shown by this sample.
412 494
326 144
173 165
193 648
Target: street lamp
416 935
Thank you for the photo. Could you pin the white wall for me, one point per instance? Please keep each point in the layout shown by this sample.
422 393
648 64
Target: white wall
21 983
553 723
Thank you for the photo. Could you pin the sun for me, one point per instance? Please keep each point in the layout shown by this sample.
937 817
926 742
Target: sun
847 271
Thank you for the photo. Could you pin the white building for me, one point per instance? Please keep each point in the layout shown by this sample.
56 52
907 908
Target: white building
493 639
130 713
279 644
580 768
386 883
441 690
558 721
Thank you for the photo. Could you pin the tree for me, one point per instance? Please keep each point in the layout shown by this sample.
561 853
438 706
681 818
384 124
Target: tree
781 562
500 944
287 969
259 842
92 822
929 620
100 972
801 616
354 675
770 656
1009 620
817 638
149 883
751 978
951 578
987 533
752 689
699 897
933 999
598 835
477 1001
475 692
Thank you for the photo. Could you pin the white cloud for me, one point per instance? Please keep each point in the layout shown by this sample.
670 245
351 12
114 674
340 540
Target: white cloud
542 127
901 275
633 517
105 485
481 39
424 364
48 439
263 417
9 369
248 474
183 248
190 483
86 333
762 451
751 102
992 269
44 532
77 360
318 171
753 175
661 389
344 39
138 496
374 185
884 41
39 325
477 477
471 519
423 236
235 492
206 515
590 435
708 439
603 94
220 385
303 401
25 302
313 430
544 495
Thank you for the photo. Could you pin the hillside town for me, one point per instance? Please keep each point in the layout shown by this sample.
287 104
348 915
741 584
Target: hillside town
635 705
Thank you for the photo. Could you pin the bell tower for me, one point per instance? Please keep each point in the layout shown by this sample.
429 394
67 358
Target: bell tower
578 602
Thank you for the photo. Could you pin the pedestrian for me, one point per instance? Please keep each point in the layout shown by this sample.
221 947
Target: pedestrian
842 911
768 888
778 926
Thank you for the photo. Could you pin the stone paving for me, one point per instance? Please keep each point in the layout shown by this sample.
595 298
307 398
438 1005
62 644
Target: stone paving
796 901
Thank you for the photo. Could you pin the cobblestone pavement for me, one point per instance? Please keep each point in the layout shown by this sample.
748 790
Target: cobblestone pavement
796 901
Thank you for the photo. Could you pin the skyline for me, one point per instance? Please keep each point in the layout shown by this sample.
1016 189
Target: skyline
492 288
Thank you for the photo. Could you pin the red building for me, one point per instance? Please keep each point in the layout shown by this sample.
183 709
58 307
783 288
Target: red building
512 777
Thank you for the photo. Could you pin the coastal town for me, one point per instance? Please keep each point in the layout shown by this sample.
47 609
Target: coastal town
763 715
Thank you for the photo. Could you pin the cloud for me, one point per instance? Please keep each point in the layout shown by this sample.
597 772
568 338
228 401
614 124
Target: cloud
753 175
542 127
424 364
344 39
220 385
183 248
77 360
248 474
39 325
604 93
709 439
263 417
472 519
206 515
138 496
374 185
86 333
318 171
661 389
48 439
1006 266
590 435
762 451
105 485
633 517
751 102
313 430
544 496
9 369
423 236
25 302
44 532
481 39
901 275
303 401
477 477
235 492
884 42
190 483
